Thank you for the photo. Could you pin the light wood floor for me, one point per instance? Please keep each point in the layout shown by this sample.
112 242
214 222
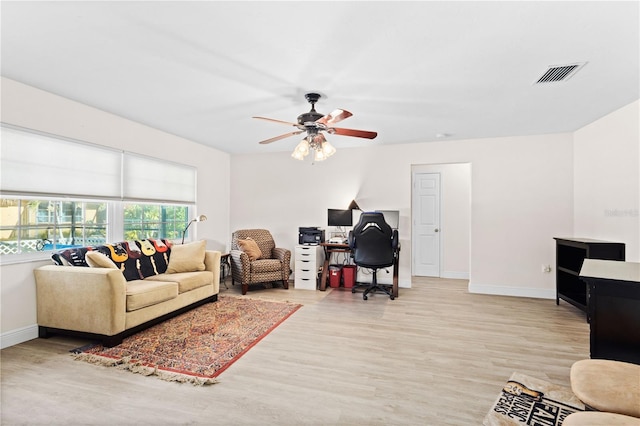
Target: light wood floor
436 355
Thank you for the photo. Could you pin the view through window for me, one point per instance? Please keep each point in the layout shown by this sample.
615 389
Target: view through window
32 225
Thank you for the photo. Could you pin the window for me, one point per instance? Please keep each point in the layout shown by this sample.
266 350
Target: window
154 221
85 194
33 225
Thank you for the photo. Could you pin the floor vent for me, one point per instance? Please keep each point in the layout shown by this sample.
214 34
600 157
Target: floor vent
558 73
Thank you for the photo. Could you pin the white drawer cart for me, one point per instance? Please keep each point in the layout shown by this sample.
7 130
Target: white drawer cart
309 260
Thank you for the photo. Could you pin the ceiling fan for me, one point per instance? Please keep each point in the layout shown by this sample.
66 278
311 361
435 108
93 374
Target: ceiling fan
314 123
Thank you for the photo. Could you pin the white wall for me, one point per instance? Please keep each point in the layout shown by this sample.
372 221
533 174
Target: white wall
607 180
35 109
521 192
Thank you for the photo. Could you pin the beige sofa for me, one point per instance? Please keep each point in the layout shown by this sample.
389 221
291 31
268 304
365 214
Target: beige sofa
103 302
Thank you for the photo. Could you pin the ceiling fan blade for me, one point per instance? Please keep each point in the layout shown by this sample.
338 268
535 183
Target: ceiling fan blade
334 117
277 121
277 138
352 132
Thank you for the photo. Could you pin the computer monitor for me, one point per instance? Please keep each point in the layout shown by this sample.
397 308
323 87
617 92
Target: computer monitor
336 217
392 217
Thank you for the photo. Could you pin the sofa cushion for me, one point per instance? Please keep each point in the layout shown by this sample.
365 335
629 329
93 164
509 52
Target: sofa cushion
95 259
187 281
187 257
250 247
142 293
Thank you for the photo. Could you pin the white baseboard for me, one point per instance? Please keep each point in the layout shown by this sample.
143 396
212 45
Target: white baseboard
537 293
404 283
455 275
19 335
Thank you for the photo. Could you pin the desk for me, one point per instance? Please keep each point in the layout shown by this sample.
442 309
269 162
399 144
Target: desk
329 249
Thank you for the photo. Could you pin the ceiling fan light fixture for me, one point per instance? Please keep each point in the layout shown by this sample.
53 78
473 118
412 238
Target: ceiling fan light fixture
301 150
319 155
314 124
297 155
328 149
303 147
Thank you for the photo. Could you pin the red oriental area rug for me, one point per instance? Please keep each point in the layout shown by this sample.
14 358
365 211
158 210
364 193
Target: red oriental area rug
196 346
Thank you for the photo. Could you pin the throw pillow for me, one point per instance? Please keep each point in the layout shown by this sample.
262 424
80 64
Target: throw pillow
95 259
187 257
250 247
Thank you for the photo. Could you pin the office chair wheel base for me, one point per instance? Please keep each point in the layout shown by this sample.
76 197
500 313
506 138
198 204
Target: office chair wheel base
391 297
353 290
364 297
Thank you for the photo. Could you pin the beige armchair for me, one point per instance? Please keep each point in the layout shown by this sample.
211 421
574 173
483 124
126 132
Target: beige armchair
273 265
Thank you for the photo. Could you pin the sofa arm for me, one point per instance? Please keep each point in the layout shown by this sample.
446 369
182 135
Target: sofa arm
91 300
212 263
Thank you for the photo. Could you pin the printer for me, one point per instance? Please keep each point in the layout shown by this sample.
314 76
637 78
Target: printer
310 235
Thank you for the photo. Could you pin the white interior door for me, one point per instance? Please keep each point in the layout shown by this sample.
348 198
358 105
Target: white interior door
426 224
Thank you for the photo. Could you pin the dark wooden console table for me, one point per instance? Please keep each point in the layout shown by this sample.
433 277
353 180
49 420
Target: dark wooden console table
570 254
614 309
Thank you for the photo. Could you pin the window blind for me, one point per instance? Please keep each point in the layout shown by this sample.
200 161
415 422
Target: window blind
147 178
33 163
37 164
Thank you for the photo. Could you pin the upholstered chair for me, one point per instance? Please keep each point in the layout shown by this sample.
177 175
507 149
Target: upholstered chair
271 264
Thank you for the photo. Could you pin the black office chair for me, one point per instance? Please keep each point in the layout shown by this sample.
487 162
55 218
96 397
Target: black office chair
374 245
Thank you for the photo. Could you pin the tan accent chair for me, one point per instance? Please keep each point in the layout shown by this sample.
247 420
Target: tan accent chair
273 265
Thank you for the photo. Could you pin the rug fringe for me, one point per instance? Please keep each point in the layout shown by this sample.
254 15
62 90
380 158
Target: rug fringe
128 364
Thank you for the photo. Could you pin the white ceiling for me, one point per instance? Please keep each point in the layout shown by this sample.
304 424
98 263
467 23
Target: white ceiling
408 70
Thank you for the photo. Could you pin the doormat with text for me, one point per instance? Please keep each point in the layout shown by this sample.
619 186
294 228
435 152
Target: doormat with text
528 401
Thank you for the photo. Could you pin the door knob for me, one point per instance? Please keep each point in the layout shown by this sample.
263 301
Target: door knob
436 230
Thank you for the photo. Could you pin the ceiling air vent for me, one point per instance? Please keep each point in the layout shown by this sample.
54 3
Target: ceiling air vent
557 73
